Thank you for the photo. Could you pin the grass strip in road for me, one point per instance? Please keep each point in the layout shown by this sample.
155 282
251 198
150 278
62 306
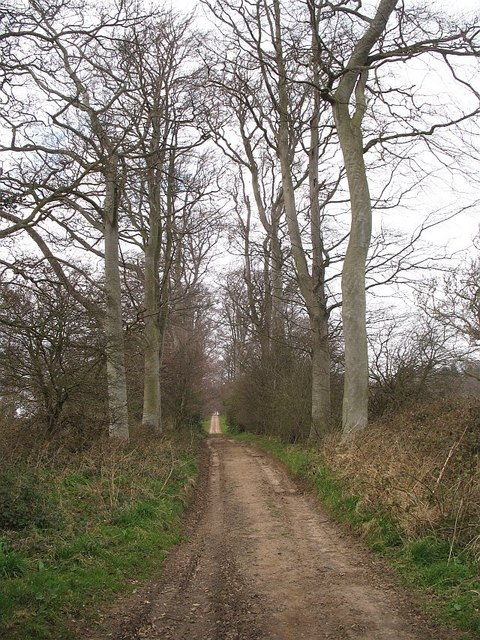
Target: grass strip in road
76 531
446 576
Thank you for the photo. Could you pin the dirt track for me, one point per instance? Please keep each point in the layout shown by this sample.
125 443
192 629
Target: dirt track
263 561
215 424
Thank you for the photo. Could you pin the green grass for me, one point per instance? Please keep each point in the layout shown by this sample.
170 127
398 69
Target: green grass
448 579
118 519
452 581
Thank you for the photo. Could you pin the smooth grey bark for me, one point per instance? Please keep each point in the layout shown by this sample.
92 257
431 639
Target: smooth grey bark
355 395
321 403
153 336
117 383
151 418
277 323
156 64
152 70
159 249
156 300
321 363
115 346
349 128
108 156
312 286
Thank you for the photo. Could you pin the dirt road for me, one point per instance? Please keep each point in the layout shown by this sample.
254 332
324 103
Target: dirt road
215 424
263 561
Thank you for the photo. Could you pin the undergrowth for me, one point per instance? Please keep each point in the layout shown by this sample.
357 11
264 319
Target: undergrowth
410 487
223 424
76 528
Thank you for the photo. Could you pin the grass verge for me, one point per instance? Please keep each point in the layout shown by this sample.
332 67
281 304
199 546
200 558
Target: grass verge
444 573
223 424
77 530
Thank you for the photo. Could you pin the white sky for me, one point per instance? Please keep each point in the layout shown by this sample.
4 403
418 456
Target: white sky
459 232
443 194
458 6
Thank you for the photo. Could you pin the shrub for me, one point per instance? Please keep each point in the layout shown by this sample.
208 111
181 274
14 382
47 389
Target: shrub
25 502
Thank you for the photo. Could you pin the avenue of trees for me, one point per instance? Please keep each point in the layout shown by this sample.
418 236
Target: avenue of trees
135 146
314 106
103 167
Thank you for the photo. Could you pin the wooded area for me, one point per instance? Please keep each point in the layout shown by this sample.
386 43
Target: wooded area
135 146
238 210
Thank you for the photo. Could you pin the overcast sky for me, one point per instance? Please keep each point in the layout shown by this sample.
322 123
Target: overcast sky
452 7
445 193
458 233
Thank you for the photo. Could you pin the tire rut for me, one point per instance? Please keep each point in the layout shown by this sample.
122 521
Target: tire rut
204 595
264 562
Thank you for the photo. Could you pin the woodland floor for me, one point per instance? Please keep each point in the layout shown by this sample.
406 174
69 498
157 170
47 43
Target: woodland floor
262 560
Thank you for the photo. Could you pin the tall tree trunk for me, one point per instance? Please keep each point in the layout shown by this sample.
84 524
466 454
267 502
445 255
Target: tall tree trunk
349 129
321 402
271 329
117 382
157 291
311 286
278 328
355 395
153 335
151 418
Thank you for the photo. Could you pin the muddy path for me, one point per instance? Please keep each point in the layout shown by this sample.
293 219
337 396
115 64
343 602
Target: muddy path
263 561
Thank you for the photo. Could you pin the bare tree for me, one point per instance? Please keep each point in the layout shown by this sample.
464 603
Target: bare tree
287 117
343 53
349 128
167 178
454 303
409 354
154 56
376 44
72 124
51 356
